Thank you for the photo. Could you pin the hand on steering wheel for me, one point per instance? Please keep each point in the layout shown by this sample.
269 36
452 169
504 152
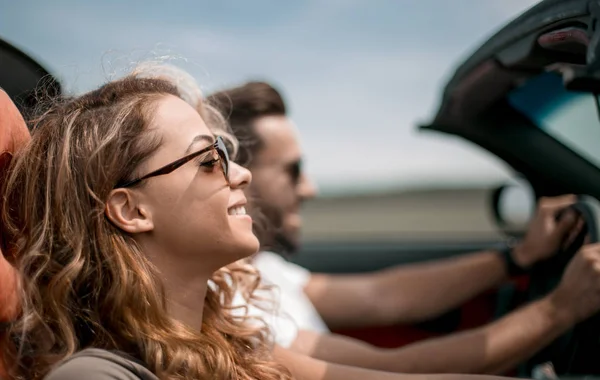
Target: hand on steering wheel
572 279
578 293
547 234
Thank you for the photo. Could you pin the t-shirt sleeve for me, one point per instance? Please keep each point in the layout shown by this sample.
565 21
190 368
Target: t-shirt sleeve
275 266
297 274
290 280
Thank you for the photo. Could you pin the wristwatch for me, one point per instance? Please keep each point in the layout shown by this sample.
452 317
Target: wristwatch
512 267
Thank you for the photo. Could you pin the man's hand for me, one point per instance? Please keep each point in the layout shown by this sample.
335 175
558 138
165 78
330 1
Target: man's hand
546 235
577 297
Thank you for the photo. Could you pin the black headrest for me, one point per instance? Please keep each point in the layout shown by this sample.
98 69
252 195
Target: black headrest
24 79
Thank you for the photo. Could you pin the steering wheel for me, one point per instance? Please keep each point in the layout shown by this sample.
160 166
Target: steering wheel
574 353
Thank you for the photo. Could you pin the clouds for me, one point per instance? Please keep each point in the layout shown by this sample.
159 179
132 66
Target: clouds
357 74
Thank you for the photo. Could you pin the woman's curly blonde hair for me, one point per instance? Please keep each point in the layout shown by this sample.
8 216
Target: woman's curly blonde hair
85 283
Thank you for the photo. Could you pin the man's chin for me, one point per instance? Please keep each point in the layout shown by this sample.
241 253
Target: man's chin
285 246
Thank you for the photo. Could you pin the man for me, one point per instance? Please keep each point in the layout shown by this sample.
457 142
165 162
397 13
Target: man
316 302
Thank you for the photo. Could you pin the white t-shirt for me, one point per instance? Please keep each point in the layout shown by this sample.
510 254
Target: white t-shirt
296 312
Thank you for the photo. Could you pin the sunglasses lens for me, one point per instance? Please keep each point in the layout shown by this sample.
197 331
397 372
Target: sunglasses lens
222 150
295 169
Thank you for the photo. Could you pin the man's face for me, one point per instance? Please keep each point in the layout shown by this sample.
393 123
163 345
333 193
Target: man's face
279 181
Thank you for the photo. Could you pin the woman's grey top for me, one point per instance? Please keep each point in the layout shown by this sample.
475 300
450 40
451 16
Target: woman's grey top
97 364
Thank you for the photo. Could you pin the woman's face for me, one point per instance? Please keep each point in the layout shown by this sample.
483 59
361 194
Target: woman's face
193 214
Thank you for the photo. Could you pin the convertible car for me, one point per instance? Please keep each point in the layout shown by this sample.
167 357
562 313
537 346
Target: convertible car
528 95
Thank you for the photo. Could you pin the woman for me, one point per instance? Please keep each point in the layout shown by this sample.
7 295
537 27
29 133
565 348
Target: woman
117 255
120 214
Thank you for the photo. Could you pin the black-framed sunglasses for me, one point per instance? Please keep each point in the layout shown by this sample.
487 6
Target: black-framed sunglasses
294 170
221 156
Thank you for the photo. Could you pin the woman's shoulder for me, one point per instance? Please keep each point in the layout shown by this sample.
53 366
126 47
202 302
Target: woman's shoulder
98 364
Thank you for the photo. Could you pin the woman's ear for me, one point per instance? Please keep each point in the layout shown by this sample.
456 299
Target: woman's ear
125 212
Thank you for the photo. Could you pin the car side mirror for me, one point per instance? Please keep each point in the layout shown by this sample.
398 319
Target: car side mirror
513 206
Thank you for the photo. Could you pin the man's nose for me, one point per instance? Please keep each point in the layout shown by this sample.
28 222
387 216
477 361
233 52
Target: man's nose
306 188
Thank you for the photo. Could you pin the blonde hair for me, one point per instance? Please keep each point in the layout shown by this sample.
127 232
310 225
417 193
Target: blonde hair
190 92
85 283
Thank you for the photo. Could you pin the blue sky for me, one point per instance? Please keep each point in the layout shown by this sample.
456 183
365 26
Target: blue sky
358 75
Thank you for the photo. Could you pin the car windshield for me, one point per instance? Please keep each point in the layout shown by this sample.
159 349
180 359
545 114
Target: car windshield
570 117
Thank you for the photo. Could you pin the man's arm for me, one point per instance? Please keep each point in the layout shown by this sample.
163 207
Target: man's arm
303 367
413 293
490 349
403 294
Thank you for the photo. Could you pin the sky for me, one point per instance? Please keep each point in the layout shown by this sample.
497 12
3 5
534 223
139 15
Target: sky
359 76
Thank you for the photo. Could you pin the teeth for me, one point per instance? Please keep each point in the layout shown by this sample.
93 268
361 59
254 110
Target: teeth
240 210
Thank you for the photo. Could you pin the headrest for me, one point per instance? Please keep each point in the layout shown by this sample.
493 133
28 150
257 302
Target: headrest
24 79
13 135
12 123
13 130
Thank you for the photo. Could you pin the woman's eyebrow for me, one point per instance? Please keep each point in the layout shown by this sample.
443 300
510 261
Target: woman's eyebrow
198 138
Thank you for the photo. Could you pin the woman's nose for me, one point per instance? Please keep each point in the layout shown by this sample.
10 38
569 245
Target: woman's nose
239 177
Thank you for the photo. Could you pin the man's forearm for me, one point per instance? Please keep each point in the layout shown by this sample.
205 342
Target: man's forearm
415 293
491 349
303 367
403 294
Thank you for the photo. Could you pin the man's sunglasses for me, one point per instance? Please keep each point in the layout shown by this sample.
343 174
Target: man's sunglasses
294 170
218 147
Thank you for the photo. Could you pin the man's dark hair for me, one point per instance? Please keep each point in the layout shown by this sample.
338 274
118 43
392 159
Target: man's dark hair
242 106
